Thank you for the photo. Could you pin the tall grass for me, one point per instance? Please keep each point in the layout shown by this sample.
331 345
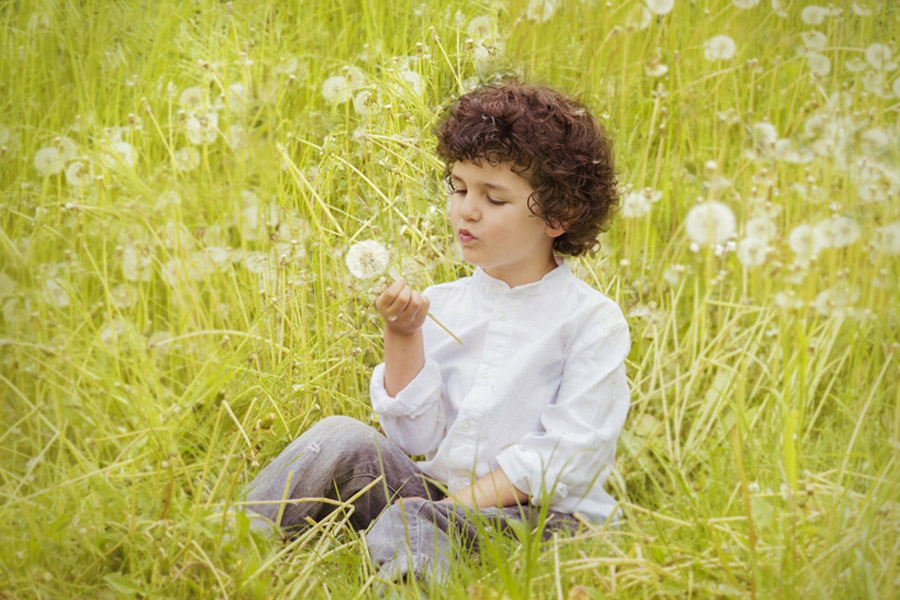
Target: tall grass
170 324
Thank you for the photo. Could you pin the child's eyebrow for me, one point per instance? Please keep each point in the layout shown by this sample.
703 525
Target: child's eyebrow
487 184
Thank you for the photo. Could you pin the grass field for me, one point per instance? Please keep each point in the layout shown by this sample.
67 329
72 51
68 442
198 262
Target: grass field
181 180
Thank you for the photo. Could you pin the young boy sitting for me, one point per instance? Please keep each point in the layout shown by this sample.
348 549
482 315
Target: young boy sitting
528 410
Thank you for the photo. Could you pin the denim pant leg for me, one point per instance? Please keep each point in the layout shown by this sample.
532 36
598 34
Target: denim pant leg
416 534
335 459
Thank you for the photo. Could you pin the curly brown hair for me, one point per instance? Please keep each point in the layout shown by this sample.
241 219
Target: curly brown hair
547 138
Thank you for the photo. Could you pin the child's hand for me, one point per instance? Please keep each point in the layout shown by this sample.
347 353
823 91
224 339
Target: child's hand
404 309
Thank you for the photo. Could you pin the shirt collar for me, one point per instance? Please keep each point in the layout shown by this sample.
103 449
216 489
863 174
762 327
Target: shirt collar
497 287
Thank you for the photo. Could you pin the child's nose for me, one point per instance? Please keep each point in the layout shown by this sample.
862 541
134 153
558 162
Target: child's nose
468 208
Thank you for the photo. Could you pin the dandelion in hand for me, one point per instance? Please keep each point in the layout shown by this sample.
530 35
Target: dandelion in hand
369 259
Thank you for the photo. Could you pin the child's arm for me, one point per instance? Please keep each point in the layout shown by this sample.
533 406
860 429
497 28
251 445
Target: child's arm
494 489
404 311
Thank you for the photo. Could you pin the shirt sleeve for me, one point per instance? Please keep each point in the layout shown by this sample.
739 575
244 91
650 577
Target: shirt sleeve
578 444
413 419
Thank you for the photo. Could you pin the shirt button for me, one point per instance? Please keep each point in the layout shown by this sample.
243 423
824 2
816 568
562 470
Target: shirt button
501 315
466 425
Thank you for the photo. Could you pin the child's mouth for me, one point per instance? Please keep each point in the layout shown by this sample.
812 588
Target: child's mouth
464 236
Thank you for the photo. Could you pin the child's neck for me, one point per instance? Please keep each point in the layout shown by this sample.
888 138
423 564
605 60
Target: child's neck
523 276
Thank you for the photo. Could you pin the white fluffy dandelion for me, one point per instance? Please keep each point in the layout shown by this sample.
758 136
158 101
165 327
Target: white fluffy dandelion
838 231
541 10
363 102
719 47
367 259
879 56
814 40
661 7
637 203
752 251
806 241
778 9
79 174
202 127
887 238
481 27
186 159
761 228
765 135
813 15
818 63
47 161
336 90
55 293
710 223
192 98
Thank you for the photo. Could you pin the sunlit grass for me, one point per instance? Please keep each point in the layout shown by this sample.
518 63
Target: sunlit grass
174 313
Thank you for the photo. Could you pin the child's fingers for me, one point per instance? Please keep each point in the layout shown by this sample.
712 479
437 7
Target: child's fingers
389 295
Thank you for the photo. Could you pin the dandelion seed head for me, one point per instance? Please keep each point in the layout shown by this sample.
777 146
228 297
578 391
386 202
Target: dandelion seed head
78 174
818 63
55 294
719 47
541 11
238 138
778 9
855 64
636 204
661 7
879 56
367 259
874 142
336 90
875 83
363 102
413 80
838 231
752 251
710 223
123 295
814 40
481 27
47 161
201 127
765 135
761 228
887 238
186 159
813 15
193 98
860 10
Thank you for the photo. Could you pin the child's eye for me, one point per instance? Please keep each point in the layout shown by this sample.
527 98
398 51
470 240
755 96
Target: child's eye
495 202
456 191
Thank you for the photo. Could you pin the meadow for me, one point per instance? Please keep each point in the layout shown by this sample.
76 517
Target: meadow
181 181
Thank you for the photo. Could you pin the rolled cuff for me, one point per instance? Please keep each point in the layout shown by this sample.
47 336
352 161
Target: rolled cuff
415 399
525 470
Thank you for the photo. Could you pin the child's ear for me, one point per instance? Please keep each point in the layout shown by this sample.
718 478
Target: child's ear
556 228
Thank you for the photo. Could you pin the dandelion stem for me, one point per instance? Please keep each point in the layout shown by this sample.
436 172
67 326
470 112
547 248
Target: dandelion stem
444 327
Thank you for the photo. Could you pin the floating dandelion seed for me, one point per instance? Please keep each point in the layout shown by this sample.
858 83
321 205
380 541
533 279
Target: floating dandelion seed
710 223
661 7
719 47
813 15
367 259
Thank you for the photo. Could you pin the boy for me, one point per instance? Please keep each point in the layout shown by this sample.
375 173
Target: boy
527 412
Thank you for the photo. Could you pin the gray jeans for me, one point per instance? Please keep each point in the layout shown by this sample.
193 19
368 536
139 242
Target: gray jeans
338 458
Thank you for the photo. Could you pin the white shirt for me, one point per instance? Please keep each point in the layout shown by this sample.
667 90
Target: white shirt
538 389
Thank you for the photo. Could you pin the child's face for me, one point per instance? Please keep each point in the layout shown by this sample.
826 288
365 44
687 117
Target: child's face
494 227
